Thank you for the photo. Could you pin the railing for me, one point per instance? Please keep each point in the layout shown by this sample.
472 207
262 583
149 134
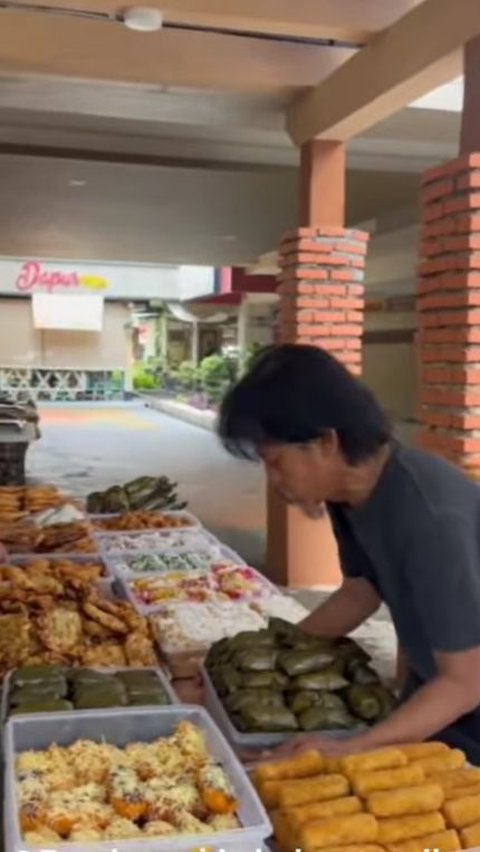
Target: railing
58 385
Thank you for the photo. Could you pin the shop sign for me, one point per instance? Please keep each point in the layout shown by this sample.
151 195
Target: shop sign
34 277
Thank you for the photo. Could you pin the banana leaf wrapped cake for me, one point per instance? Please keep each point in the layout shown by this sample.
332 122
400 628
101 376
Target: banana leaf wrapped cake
281 680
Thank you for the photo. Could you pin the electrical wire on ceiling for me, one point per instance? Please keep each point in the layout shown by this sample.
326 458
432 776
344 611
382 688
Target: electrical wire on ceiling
56 10
119 18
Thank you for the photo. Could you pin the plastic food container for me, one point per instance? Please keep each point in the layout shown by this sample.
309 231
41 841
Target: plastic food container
162 677
120 565
228 618
142 542
191 522
241 740
121 727
211 589
184 664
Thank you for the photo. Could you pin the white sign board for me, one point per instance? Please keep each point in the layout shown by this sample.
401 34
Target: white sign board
67 313
24 277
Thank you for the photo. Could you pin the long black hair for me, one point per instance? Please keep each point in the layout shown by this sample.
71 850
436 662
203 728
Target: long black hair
294 394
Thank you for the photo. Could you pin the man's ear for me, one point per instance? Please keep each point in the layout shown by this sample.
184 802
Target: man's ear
329 443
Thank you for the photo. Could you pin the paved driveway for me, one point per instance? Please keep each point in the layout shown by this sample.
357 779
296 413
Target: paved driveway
89 447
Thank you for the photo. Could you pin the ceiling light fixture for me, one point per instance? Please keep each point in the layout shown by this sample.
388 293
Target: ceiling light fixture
143 19
75 182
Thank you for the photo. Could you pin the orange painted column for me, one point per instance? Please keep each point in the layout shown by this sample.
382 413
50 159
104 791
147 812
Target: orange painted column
321 303
449 293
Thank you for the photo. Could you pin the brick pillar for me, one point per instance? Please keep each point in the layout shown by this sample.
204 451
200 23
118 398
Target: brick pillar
449 312
321 291
321 302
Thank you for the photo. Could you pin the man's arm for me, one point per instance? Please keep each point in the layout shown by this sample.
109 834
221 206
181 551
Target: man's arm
347 608
443 700
402 668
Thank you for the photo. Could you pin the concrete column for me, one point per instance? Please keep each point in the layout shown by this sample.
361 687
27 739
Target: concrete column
242 325
449 293
321 303
195 352
163 336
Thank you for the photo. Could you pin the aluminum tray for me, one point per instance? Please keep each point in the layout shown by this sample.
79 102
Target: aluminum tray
120 728
240 740
161 675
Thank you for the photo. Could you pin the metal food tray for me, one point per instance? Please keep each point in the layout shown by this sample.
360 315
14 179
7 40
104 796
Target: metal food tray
240 740
193 522
121 727
162 677
150 609
83 559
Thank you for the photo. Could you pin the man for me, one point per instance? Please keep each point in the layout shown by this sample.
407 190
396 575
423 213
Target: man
407 525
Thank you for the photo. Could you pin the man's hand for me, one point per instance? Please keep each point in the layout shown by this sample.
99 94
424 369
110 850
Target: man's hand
454 692
344 611
331 746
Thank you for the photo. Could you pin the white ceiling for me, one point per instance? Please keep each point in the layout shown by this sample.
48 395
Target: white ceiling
179 175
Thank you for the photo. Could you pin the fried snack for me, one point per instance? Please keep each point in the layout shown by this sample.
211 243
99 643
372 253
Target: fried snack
104 655
361 828
443 841
142 520
462 792
415 751
321 810
457 778
269 792
452 759
422 799
364 783
60 630
460 813
394 829
386 758
96 612
355 847
332 765
470 836
315 789
306 764
139 650
14 639
281 830
43 619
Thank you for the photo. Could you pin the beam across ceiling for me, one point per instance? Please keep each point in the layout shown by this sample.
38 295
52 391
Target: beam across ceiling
421 51
343 20
31 43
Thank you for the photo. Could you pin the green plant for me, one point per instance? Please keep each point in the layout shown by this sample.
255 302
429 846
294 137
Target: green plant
187 375
250 356
215 369
117 378
143 379
217 373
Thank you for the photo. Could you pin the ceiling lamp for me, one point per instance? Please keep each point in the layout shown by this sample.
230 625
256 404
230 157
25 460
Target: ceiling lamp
143 19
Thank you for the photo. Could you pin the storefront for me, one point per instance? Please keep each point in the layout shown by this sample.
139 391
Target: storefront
66 328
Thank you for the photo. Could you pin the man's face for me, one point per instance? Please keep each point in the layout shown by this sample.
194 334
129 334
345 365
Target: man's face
304 475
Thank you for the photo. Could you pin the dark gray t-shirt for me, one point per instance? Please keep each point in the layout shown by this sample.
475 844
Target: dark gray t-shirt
417 540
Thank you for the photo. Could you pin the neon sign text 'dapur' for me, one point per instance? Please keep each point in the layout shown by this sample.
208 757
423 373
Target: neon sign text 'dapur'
33 275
